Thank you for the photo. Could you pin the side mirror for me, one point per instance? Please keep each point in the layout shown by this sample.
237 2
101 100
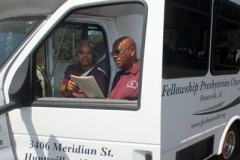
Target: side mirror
20 88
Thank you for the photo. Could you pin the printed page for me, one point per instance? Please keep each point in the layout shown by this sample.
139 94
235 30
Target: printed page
88 85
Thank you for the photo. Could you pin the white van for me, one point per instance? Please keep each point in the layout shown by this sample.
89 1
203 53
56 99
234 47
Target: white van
188 103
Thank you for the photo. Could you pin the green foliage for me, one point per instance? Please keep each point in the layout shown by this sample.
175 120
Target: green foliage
95 37
70 41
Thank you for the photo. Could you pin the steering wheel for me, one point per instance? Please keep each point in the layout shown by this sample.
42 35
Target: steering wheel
47 81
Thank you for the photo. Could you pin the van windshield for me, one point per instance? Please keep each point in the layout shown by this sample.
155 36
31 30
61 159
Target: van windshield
13 32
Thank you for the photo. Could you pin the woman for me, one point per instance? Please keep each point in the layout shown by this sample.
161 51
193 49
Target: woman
87 57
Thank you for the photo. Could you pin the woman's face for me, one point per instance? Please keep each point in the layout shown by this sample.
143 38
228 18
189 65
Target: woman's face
85 56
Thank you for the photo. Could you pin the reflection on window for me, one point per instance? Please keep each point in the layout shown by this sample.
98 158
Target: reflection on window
13 32
227 38
202 5
186 34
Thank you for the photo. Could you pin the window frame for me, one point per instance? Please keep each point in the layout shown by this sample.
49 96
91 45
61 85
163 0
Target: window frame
96 103
214 21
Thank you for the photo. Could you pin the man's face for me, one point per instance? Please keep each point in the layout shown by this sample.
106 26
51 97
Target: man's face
85 55
121 54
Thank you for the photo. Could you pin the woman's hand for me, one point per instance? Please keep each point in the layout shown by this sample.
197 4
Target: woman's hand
72 86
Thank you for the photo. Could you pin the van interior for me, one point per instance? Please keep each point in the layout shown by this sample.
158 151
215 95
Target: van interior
57 50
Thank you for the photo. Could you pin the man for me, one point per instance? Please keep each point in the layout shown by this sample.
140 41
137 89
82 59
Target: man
125 84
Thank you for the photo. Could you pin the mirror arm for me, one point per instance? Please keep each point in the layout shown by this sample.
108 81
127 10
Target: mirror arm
8 107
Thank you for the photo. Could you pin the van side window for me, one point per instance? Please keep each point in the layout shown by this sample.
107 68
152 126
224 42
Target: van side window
186 38
226 51
58 52
13 32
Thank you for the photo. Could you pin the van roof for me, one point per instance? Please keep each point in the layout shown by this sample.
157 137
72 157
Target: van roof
13 8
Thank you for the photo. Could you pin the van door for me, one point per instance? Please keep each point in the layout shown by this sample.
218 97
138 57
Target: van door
5 144
13 35
51 127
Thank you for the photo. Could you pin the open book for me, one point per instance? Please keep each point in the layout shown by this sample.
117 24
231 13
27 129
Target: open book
88 85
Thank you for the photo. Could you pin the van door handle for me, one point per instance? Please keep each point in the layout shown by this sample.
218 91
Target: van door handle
148 156
142 155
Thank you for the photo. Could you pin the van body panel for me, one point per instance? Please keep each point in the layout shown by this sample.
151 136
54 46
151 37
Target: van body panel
65 148
188 88
56 126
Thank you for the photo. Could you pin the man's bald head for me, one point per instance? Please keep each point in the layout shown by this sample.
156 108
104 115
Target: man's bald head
124 53
126 40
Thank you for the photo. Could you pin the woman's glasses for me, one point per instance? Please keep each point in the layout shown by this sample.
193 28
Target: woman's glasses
86 51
